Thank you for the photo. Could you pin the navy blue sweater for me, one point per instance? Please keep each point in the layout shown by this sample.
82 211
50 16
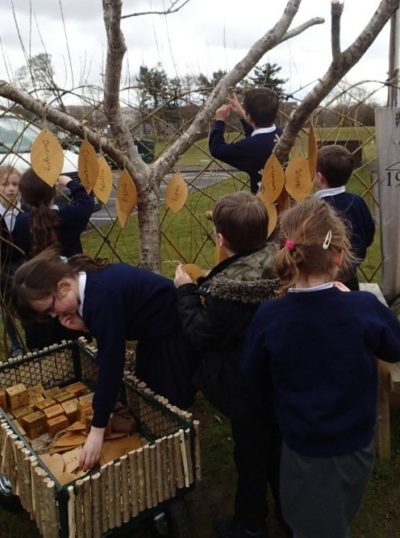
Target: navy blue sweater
318 350
248 154
353 209
122 302
74 218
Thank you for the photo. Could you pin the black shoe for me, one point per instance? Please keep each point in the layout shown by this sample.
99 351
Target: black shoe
227 527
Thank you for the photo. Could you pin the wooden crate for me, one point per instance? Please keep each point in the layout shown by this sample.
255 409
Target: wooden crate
116 493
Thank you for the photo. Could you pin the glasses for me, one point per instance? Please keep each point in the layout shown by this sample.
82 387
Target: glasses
50 311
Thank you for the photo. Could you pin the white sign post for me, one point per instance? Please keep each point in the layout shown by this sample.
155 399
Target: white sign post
387 122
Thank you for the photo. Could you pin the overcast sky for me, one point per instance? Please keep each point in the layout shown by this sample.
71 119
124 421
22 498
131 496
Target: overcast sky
206 35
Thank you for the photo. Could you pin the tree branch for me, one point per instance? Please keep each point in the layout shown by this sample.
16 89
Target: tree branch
336 71
116 49
300 29
256 52
171 9
336 13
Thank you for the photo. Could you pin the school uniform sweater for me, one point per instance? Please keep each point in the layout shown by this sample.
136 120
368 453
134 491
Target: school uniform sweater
74 218
318 349
355 212
248 154
121 303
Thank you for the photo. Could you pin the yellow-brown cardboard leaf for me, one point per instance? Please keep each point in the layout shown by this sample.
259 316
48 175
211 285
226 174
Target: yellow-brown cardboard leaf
272 218
176 193
103 186
298 183
193 270
47 157
88 165
126 197
273 179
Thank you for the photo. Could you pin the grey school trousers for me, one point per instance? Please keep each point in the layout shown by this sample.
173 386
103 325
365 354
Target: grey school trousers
321 496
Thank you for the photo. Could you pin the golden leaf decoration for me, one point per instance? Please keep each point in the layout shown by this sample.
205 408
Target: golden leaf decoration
88 165
298 183
273 179
272 218
193 270
176 193
103 186
126 197
47 157
312 152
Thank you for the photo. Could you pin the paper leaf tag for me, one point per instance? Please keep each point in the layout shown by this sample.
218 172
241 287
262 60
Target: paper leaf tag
193 270
273 179
103 186
87 165
271 210
298 183
312 152
126 197
176 193
47 157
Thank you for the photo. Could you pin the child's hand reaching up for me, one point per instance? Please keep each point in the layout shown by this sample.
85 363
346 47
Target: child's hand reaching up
72 321
236 107
223 112
181 277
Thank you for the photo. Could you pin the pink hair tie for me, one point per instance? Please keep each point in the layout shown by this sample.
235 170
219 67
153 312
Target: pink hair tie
289 244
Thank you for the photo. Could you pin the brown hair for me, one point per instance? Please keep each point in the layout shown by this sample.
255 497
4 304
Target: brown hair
261 104
304 233
38 195
38 278
336 164
243 221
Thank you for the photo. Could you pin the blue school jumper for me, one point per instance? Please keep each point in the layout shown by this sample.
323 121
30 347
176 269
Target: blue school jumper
248 154
74 218
121 303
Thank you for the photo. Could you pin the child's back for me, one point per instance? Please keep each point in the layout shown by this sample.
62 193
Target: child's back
257 117
334 168
317 346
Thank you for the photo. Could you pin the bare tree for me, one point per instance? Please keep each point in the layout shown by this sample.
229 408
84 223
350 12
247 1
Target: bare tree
147 178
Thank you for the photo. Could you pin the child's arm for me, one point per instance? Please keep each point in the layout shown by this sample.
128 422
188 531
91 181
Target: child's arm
236 107
222 113
254 361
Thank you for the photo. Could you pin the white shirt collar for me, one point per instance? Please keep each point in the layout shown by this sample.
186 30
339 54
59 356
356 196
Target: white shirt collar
263 130
9 215
320 287
330 192
81 287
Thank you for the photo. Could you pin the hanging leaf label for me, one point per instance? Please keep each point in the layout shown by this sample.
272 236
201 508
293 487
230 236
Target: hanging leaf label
103 186
273 179
88 165
47 157
312 152
126 197
298 182
176 193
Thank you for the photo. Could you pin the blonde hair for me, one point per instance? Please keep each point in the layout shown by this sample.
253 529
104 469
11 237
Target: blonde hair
311 233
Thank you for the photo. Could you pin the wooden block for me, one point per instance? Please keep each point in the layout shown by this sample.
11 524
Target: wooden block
57 424
88 422
17 396
35 397
86 398
78 389
64 396
71 409
37 389
53 411
3 399
85 409
34 424
42 404
18 426
22 411
50 393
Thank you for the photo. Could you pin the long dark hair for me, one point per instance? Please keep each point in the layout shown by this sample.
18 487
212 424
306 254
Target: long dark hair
38 278
38 195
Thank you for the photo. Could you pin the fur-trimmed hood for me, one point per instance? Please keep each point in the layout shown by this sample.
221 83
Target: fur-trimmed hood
246 279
